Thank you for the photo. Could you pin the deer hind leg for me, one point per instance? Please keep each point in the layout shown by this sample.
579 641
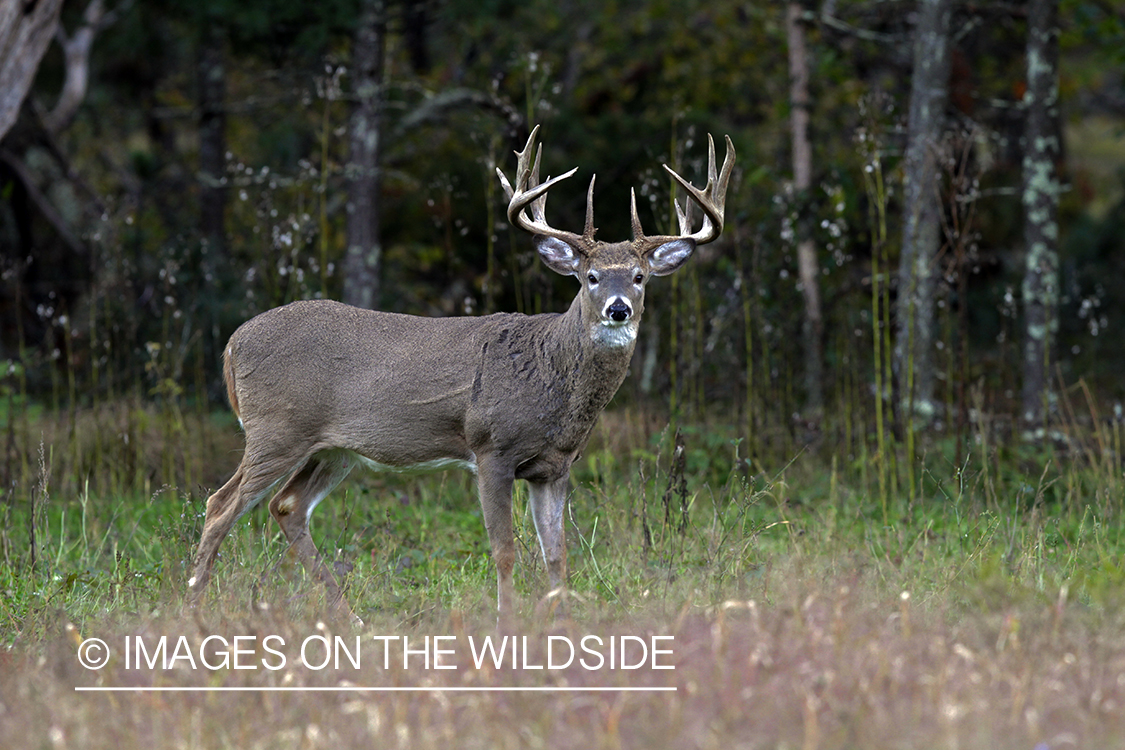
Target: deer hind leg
548 510
222 511
292 507
495 485
234 499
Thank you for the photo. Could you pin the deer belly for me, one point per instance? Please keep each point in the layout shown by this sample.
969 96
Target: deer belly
422 467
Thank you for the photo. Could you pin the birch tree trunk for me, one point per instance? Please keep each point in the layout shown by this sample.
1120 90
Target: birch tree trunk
26 30
914 313
1040 203
363 262
808 270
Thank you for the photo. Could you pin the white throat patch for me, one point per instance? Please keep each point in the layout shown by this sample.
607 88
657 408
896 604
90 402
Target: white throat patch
613 334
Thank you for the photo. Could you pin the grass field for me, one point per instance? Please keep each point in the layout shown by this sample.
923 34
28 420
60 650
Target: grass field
967 599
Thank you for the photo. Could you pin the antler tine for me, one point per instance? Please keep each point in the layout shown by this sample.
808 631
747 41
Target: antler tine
712 198
522 172
590 229
683 217
532 180
539 205
525 166
638 233
728 168
710 162
529 194
505 184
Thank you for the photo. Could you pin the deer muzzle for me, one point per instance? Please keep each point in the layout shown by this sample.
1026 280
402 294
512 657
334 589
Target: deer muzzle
618 310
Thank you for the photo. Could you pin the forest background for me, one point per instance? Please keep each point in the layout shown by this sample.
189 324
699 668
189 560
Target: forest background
179 167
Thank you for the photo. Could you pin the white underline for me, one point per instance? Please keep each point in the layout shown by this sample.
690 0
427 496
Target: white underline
367 689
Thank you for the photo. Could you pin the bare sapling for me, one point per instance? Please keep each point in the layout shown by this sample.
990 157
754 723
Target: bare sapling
320 387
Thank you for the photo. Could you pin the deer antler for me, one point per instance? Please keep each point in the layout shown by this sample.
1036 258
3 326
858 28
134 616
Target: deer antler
712 199
529 194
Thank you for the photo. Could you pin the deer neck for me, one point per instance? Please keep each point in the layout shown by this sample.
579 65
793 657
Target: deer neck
594 358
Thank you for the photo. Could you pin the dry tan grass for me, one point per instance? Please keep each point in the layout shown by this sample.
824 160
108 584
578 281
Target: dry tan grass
827 662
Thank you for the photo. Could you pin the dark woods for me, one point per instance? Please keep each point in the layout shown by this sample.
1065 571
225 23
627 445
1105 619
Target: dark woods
924 227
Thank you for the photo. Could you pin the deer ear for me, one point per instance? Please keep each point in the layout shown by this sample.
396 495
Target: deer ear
558 255
666 258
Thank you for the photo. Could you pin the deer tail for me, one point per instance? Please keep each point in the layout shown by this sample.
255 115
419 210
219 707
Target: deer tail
229 379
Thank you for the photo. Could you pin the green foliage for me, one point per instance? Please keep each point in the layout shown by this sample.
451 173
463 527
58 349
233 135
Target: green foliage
675 516
1095 24
619 89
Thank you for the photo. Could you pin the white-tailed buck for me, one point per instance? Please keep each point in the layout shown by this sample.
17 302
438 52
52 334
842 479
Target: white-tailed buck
320 387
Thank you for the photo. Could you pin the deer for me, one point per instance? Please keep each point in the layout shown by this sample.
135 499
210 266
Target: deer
320 387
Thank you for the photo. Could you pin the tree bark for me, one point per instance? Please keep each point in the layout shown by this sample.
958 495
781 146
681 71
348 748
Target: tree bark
76 53
808 269
212 137
1040 202
362 265
914 313
26 30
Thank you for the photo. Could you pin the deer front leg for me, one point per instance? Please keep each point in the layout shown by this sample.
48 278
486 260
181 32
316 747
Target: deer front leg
495 485
548 510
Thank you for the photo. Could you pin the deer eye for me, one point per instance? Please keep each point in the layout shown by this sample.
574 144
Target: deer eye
638 278
592 279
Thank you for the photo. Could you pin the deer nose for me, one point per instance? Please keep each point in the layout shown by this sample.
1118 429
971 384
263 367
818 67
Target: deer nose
619 311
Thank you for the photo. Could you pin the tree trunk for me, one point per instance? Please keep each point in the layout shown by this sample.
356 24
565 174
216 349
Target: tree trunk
1040 202
364 257
212 138
813 326
76 52
26 30
922 223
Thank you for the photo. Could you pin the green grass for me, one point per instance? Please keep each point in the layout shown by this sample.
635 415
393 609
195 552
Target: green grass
984 612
